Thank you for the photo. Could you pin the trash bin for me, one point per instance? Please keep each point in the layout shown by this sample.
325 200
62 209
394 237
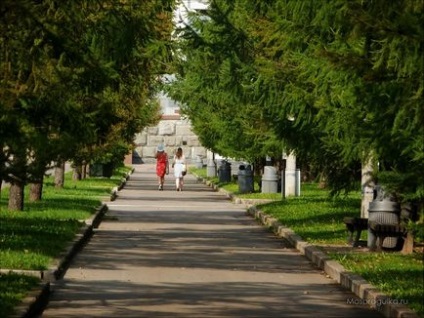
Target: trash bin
269 180
383 212
199 162
245 179
108 169
211 169
101 170
224 172
96 170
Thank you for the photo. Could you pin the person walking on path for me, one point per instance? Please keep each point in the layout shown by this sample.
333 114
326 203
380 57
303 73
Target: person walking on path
162 165
179 165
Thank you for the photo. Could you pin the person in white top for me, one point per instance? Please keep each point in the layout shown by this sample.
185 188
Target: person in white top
179 165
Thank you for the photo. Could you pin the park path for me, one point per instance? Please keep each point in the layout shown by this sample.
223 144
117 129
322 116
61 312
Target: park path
191 254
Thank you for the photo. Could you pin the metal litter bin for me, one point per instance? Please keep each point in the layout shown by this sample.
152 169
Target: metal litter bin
224 173
383 212
245 179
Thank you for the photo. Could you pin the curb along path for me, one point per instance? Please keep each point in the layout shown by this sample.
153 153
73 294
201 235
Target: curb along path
191 254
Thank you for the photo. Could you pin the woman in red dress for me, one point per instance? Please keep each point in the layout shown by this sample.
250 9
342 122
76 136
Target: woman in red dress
162 165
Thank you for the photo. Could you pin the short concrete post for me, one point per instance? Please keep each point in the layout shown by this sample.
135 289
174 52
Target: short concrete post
290 175
211 169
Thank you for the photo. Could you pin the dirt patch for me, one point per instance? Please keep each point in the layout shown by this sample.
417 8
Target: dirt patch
342 249
418 248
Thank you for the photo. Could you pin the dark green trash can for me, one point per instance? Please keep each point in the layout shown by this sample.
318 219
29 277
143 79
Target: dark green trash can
224 173
245 179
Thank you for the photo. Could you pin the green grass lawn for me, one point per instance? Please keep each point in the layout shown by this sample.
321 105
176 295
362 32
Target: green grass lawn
13 288
314 216
399 276
318 219
33 238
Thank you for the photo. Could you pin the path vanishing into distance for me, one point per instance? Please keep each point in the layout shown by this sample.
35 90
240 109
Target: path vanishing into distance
192 254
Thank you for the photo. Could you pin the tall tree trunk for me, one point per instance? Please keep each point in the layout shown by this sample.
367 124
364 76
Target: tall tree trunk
16 196
408 245
84 170
367 185
322 183
59 174
77 172
36 191
258 167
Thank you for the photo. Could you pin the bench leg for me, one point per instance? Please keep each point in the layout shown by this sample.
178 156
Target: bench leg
358 236
350 238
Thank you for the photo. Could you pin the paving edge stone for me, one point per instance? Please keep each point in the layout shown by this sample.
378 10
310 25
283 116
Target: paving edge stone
33 303
368 293
38 298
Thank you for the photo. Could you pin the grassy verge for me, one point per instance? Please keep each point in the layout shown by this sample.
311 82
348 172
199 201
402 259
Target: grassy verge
318 219
314 216
32 238
399 276
13 288
233 187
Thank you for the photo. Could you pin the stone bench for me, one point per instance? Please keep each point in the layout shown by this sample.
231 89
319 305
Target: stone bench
355 225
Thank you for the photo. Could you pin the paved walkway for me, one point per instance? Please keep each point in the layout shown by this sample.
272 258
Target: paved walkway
191 254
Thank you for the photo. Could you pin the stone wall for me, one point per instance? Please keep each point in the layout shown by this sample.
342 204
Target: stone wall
173 132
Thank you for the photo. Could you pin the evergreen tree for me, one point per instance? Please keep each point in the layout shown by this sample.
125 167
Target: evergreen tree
211 79
65 97
335 81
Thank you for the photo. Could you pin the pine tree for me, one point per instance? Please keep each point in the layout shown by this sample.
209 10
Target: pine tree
334 81
68 97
